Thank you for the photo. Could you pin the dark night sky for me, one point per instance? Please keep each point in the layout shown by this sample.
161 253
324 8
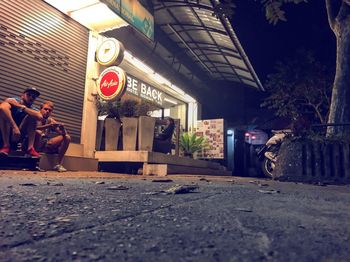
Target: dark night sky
306 27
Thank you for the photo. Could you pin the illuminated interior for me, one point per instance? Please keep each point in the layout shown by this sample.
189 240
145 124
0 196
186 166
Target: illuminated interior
97 17
91 13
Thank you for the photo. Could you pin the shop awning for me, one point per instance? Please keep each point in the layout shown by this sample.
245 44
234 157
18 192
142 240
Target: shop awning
189 36
209 41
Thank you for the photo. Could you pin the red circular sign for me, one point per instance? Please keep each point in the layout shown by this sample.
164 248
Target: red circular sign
112 83
109 83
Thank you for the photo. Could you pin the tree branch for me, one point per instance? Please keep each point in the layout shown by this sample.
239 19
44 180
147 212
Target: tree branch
330 6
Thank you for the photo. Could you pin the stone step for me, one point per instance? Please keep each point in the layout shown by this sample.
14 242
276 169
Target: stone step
71 163
75 150
166 169
153 158
18 161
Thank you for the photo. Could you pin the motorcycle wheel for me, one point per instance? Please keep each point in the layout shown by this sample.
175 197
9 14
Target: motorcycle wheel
267 167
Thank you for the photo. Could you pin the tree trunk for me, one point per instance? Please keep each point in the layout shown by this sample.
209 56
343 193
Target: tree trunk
340 105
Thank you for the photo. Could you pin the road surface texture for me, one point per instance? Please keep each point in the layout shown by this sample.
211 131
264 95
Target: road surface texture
109 217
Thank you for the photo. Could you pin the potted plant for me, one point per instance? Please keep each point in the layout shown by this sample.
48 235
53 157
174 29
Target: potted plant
109 119
146 126
190 143
127 112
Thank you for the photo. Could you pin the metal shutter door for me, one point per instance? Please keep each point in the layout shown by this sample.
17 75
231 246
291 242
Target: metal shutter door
41 47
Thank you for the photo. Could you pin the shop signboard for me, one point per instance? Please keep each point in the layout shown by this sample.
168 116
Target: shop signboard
213 131
138 16
147 92
134 13
110 52
111 85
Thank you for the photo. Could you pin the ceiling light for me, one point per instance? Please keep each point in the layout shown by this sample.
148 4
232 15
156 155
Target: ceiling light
170 101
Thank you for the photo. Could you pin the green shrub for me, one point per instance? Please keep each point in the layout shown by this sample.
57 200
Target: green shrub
190 143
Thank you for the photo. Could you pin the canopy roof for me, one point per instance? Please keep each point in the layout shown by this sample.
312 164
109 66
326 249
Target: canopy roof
206 38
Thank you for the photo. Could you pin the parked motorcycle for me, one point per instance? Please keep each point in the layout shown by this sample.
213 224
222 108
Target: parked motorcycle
269 152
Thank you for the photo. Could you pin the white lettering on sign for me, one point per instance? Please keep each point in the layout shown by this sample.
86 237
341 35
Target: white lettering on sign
138 88
107 84
131 85
151 94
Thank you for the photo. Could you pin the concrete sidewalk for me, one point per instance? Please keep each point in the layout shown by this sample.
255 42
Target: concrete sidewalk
92 216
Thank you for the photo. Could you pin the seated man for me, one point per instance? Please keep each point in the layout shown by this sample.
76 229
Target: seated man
162 141
51 136
18 115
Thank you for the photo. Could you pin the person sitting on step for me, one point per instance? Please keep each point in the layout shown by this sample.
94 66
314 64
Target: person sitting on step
18 117
51 136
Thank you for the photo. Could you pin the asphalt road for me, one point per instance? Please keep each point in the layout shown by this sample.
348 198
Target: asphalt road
131 218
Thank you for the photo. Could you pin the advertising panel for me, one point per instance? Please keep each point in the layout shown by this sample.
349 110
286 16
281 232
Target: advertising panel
134 13
213 131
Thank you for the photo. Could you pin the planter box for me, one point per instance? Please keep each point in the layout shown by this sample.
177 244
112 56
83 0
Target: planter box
99 131
112 127
310 161
129 133
146 133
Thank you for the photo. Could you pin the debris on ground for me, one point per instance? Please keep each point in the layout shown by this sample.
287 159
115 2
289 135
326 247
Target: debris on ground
258 183
119 187
242 209
66 218
271 191
57 184
262 185
27 184
204 179
162 180
99 182
181 189
177 189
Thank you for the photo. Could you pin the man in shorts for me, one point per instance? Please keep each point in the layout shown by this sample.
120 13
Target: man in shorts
18 117
51 136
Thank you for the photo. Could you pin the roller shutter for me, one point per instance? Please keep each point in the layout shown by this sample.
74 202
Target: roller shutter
41 47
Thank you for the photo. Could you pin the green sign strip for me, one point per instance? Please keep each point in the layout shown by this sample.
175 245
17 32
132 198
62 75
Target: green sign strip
135 14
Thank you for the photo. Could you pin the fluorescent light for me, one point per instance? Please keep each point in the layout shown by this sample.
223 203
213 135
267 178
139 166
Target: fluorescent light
170 101
98 17
66 6
161 80
91 13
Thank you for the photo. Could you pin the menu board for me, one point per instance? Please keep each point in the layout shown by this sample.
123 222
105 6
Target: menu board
213 131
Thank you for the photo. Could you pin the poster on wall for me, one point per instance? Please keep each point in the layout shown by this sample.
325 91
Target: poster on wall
213 131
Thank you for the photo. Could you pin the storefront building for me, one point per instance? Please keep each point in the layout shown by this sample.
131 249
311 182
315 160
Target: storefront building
53 45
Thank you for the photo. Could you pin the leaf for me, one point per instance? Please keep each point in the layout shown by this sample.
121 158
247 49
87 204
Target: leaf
190 143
